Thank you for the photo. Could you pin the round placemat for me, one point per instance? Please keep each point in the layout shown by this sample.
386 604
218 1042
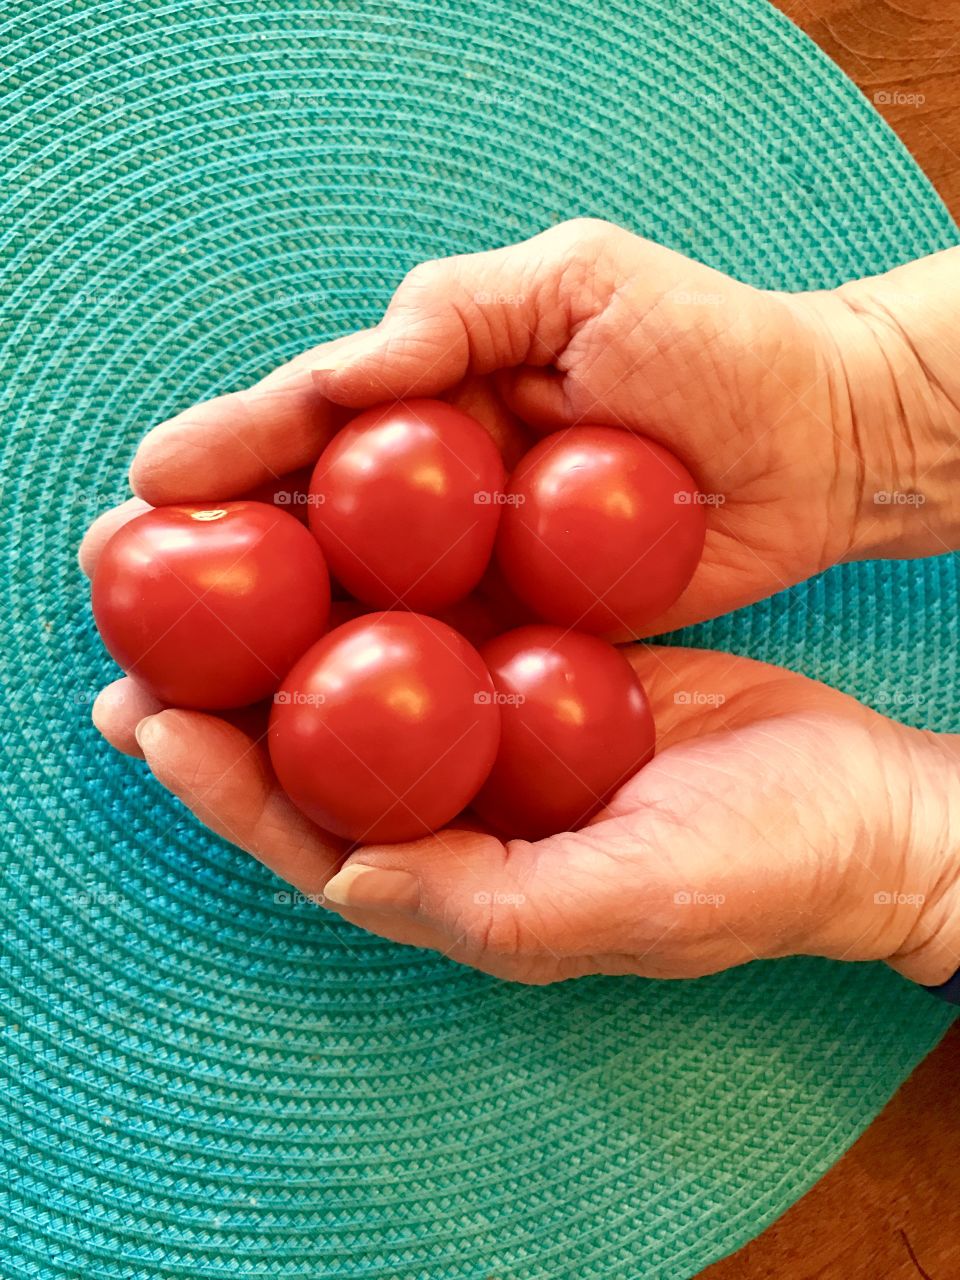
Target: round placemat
204 1077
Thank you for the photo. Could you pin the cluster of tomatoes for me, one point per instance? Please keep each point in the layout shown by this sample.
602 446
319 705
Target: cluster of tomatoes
467 662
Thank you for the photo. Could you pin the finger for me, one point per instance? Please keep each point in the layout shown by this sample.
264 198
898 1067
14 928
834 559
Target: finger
396 928
475 313
224 447
584 902
697 692
539 397
121 706
118 710
103 529
488 905
529 969
224 778
433 893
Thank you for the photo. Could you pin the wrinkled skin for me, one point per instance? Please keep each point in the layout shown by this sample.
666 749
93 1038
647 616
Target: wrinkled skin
779 816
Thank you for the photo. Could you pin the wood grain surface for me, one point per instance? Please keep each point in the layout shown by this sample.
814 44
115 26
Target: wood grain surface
905 56
890 1208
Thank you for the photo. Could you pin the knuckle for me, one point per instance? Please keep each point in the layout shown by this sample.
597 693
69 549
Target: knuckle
425 277
496 930
587 231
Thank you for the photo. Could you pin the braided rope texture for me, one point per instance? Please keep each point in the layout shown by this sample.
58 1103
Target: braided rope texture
202 1075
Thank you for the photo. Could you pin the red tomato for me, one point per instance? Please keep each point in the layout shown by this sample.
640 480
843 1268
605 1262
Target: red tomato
575 725
405 503
602 530
210 607
386 728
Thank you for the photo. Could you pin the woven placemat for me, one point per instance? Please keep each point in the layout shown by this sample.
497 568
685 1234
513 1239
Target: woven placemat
203 1076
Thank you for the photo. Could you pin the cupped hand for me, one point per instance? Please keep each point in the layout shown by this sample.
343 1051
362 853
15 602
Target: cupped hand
778 817
588 323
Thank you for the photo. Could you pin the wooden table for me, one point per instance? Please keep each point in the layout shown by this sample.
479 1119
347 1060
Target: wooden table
890 1208
905 56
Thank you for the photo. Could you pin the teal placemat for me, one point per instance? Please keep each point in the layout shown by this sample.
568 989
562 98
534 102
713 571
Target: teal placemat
202 1076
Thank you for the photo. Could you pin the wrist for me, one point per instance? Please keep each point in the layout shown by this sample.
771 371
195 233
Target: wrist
885 829
924 932
894 405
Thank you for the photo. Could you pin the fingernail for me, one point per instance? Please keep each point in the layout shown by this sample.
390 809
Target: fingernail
374 888
144 731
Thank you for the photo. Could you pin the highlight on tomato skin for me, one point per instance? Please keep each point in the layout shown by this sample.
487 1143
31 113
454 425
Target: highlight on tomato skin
601 530
209 607
405 501
575 726
386 728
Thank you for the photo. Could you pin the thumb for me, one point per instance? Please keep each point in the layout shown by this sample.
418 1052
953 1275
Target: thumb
459 891
474 313
632 893
581 902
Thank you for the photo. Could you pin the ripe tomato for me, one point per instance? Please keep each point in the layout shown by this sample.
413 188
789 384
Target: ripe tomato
210 607
405 503
602 530
386 728
575 725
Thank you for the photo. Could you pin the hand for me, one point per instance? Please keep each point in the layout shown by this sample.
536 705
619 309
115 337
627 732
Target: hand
778 817
788 409
765 397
